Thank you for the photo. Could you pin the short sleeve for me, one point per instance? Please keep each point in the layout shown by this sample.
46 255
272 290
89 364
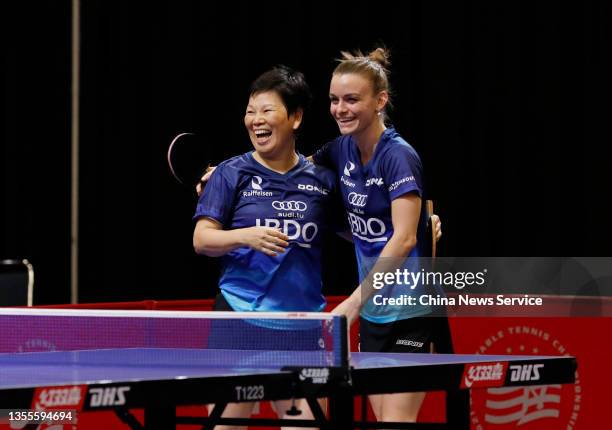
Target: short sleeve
403 172
217 200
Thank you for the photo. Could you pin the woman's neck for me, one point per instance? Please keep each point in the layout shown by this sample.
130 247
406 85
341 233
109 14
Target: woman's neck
280 163
368 139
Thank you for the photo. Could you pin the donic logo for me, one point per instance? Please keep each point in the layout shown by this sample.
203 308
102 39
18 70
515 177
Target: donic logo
348 168
313 188
358 200
289 206
256 182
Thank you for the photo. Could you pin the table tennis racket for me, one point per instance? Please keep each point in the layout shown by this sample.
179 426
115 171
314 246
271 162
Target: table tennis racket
187 159
430 212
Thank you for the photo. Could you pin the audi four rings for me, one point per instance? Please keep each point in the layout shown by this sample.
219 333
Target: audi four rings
358 200
292 205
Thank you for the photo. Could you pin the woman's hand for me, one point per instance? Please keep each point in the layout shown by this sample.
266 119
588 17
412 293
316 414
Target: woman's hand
436 224
349 308
268 240
204 179
209 238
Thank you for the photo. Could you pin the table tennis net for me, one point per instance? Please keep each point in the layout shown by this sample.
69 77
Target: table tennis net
274 339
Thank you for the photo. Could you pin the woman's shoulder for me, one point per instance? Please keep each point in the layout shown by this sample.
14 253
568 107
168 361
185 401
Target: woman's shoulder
319 171
236 161
397 145
234 168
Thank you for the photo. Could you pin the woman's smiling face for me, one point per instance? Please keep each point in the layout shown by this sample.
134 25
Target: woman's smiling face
353 103
270 127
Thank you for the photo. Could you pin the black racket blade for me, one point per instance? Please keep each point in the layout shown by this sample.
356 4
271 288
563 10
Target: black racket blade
431 231
187 159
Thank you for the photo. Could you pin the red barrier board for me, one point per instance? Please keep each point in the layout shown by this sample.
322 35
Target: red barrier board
582 405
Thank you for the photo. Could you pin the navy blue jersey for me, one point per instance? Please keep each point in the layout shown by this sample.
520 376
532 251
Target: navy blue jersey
367 192
243 193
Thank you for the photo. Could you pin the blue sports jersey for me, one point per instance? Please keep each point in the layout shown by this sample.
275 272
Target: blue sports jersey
243 193
367 191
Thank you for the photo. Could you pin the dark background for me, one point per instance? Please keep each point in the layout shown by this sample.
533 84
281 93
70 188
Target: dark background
508 105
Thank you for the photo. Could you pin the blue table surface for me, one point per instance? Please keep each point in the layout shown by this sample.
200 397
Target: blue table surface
34 369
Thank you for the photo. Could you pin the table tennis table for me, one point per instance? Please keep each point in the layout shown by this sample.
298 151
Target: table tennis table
143 367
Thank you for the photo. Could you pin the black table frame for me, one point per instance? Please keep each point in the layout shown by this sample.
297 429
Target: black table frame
159 398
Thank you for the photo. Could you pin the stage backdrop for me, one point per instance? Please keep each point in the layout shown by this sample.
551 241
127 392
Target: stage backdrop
506 103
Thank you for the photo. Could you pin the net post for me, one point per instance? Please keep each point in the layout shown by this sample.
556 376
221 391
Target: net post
343 340
341 407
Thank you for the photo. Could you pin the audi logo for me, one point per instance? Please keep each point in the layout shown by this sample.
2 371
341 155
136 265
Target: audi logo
358 200
289 206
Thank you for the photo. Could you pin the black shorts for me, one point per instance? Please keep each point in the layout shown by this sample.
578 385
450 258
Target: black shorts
406 335
221 304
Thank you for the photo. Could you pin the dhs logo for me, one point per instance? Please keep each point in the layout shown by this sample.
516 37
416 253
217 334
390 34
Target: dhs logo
36 345
525 372
484 375
316 375
58 397
108 396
